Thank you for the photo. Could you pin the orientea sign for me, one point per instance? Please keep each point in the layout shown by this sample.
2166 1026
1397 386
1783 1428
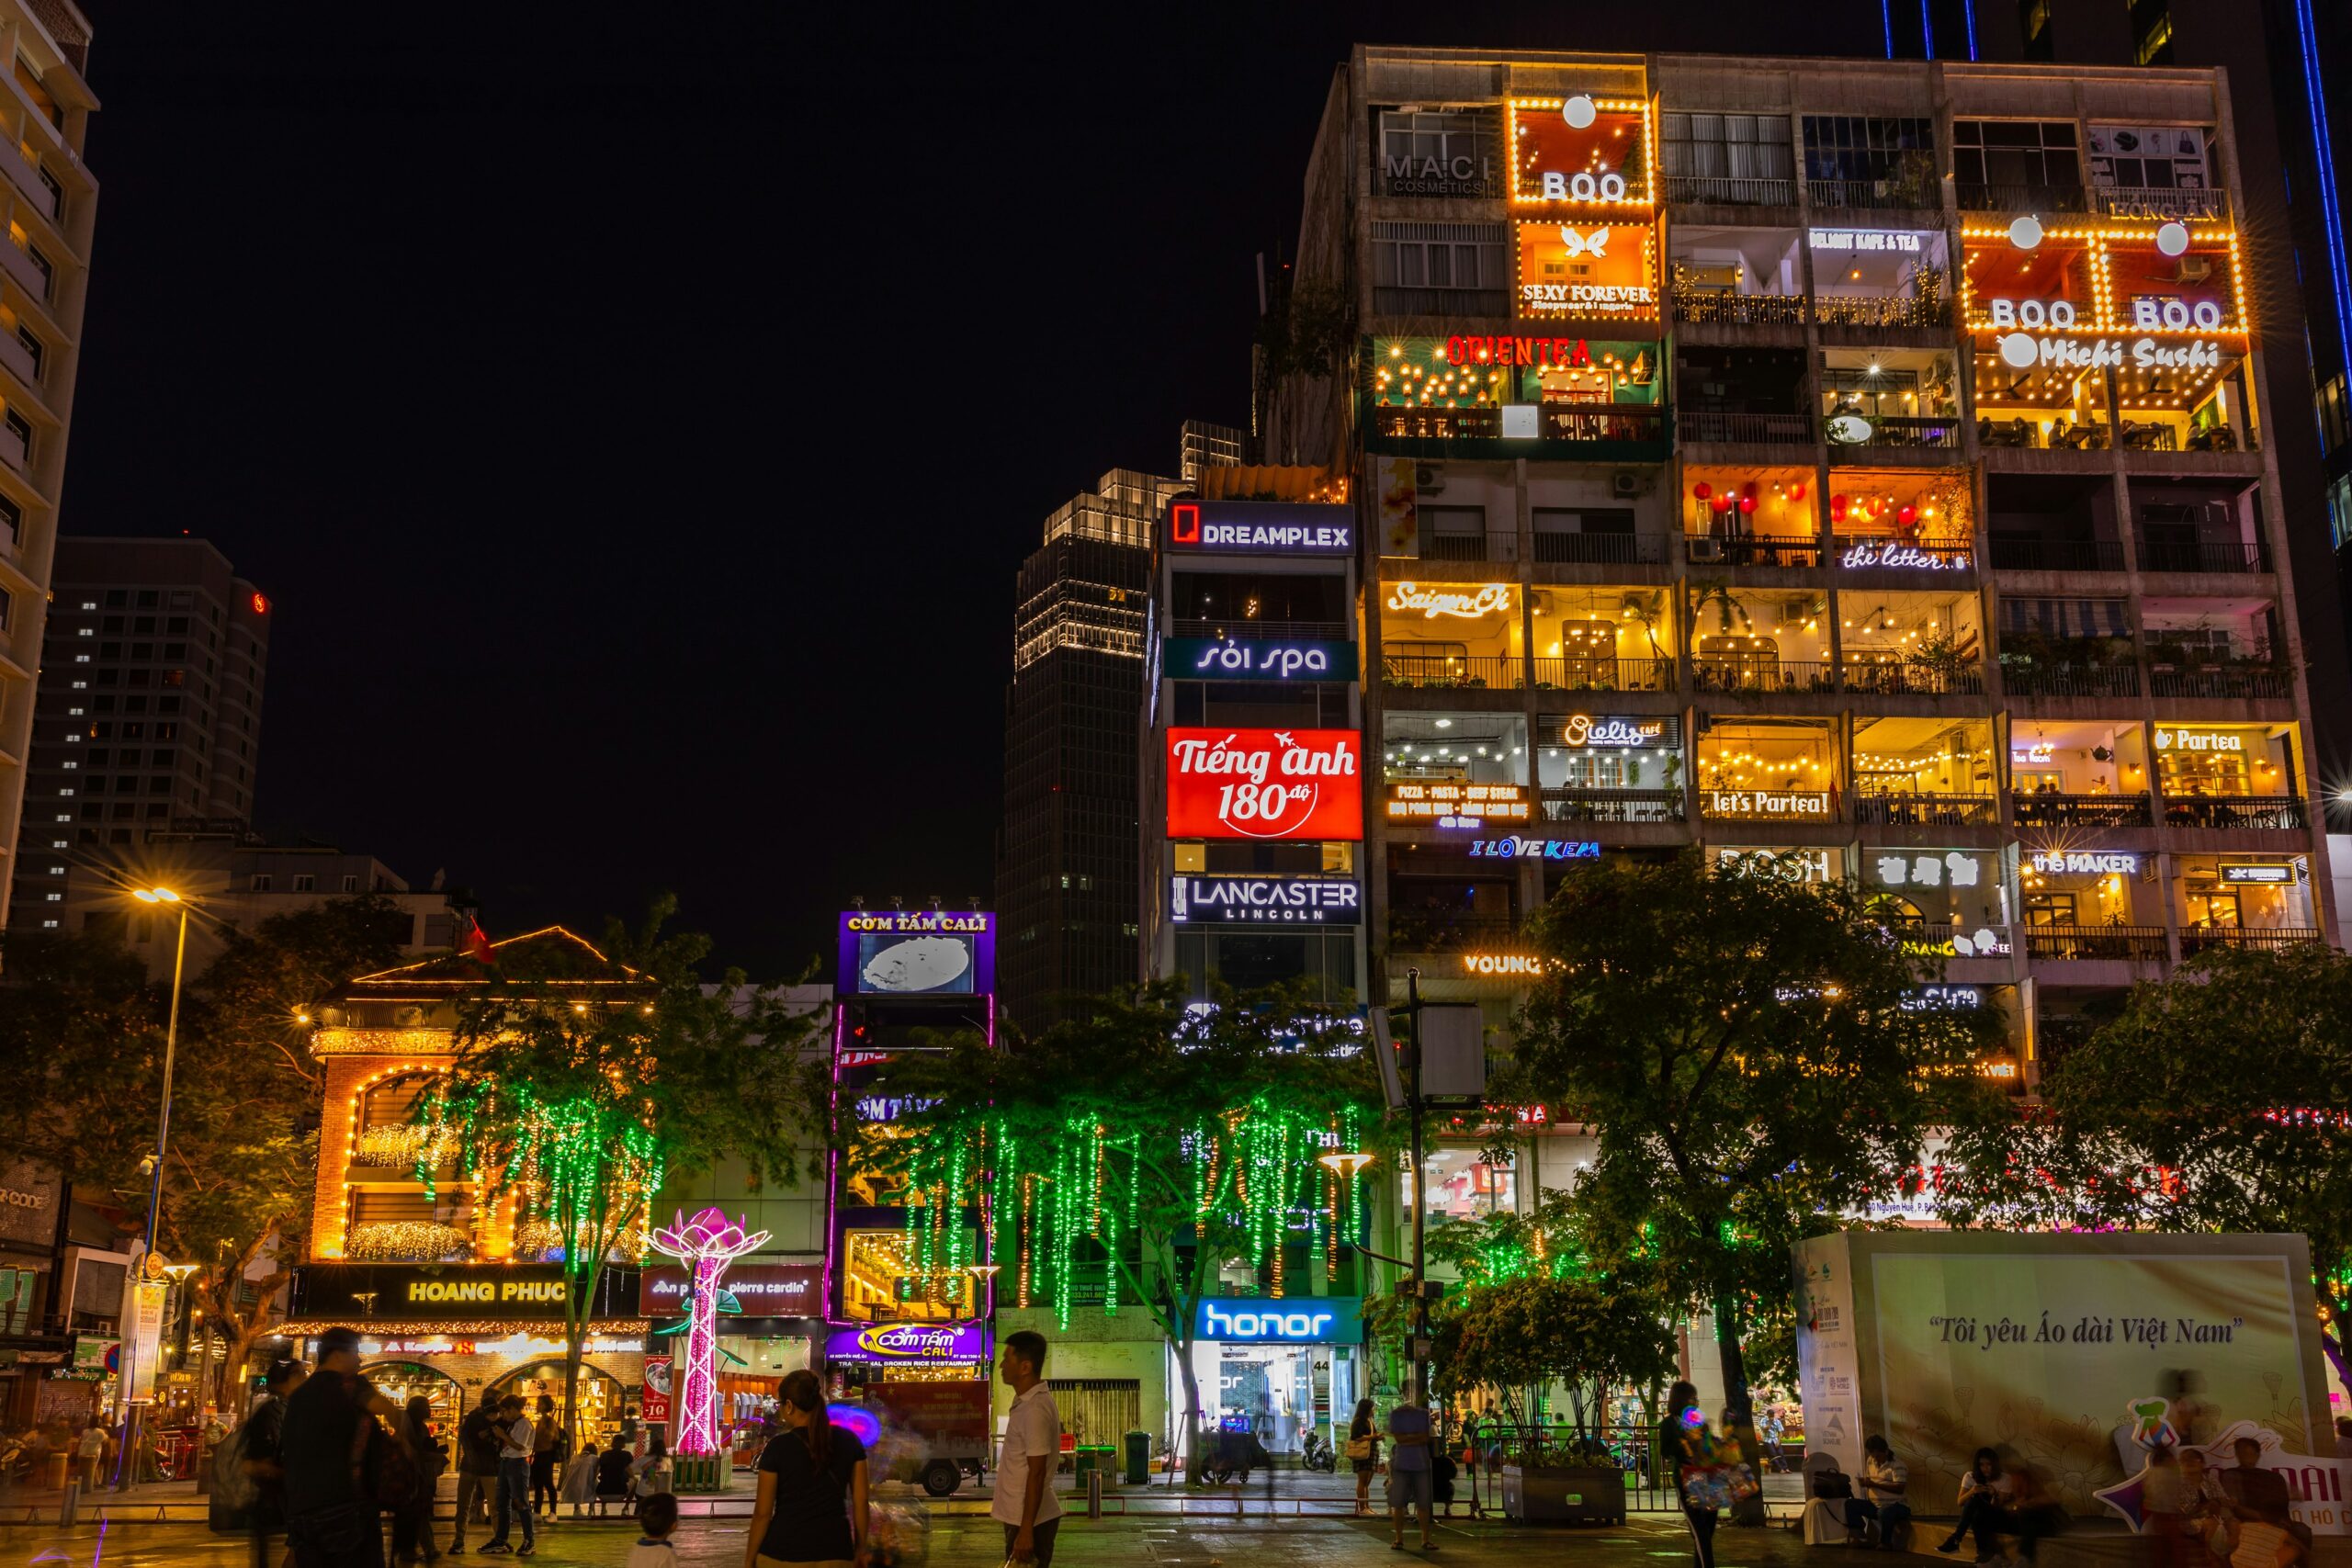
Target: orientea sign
1265 783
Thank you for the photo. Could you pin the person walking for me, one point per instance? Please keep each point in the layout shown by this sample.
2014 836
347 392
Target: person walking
1023 1500
332 1521
543 1444
1683 1441
811 1508
88 1450
1412 1475
412 1521
262 1457
514 1478
1363 1452
478 1444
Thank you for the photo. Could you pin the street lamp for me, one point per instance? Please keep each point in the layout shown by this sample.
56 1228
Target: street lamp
1344 1163
163 1143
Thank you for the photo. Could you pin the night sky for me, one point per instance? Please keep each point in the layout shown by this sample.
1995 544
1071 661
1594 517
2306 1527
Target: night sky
638 431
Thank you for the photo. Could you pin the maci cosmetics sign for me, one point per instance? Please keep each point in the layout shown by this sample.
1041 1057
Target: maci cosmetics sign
1265 783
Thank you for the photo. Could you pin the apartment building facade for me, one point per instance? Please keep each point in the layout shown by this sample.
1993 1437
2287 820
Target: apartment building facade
1861 464
49 201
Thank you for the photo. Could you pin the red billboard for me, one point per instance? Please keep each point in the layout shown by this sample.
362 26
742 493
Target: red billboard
1265 783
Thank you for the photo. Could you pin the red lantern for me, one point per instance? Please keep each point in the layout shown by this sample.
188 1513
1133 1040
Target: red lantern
1748 503
1796 491
1748 489
1702 490
1907 516
1722 505
1837 509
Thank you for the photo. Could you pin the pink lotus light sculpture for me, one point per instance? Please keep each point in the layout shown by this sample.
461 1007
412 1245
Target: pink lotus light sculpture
705 1245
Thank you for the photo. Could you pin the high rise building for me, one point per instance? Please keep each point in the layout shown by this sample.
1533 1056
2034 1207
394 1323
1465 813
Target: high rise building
49 200
1202 446
1869 465
148 718
1066 866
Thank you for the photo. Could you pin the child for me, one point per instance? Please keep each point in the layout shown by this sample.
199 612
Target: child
612 1478
580 1478
650 1470
659 1517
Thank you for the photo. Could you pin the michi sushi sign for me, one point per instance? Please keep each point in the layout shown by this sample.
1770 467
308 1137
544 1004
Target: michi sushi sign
904 952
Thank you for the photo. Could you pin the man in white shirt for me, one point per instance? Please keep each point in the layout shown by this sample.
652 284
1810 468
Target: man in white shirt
514 1476
1023 1499
1886 1486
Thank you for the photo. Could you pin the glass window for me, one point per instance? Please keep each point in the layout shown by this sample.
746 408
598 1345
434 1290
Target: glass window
2015 152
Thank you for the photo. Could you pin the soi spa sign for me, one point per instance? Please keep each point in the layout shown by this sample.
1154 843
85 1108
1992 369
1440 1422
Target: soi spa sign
1265 783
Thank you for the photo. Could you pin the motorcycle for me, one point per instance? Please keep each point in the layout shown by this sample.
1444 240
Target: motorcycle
1318 1454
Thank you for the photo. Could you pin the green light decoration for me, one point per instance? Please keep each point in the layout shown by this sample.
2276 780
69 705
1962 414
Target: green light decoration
1054 1199
572 1163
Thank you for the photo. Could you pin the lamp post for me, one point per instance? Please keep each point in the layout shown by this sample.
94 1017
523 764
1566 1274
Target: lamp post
125 1471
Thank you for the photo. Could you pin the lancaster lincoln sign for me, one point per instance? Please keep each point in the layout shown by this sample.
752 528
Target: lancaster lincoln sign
1266 900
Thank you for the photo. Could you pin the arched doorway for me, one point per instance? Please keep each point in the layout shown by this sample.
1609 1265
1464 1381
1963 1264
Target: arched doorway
602 1398
400 1381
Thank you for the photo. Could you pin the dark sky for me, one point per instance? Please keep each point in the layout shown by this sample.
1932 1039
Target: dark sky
637 421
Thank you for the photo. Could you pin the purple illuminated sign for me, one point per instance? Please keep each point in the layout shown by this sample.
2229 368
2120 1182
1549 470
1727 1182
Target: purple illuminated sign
899 1343
917 953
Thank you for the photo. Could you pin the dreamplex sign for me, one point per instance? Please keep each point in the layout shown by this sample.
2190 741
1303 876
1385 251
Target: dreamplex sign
1261 528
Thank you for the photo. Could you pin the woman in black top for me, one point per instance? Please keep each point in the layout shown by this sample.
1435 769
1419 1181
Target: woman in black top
413 1526
811 1508
1679 1443
1363 1429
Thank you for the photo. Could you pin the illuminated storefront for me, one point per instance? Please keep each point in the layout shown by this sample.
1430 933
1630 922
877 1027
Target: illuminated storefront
1769 770
1521 388
1450 635
1277 1367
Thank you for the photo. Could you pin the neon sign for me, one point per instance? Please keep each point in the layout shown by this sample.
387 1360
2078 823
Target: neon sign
2023 351
1453 804
1901 240
1558 353
1583 729
1266 900
1463 604
2086 863
1903 558
2258 875
1319 1320
2199 740
1280 658
1535 849
1262 527
1501 964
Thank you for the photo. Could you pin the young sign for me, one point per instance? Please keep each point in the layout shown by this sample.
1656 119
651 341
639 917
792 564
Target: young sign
1265 783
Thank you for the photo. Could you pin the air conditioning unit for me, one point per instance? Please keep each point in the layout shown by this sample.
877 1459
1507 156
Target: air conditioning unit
1627 482
2195 269
1706 549
1428 476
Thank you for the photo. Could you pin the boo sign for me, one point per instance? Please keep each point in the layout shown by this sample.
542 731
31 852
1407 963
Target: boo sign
1265 783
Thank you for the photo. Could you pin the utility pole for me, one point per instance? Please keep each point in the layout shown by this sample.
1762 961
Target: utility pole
1421 1199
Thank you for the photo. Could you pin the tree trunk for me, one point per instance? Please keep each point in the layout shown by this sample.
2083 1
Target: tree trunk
1183 1348
1747 1510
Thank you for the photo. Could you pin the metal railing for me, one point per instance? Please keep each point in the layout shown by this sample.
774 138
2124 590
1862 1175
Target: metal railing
2226 681
1615 806
1904 430
2136 945
1579 674
1913 678
1243 629
1711 674
2071 680
2288 812
1453 546
1602 422
1423 930
2059 808
1600 549
1881 310
2232 557
1912 185
1928 810
2161 201
2018 430
2010 197
1706 425
2269 939
2013 552
1716 307
1751 549
1724 190
1498 670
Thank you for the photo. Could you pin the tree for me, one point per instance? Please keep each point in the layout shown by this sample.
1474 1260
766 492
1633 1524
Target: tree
582 1106
2219 1099
1141 1137
1753 1054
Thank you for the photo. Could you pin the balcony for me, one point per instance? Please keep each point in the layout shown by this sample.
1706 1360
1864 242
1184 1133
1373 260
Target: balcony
1255 630
1912 189
1767 805
1724 190
1754 675
1719 307
2022 198
1615 806
2228 556
12 450
1751 549
1941 432
1440 931
20 266
19 359
2158 202
1866 552
1888 678
2055 434
2057 808
1705 424
43 198
2132 944
2267 939
1928 810
1564 675
2158 436
2014 552
2071 680
1449 670
2239 683
1881 310
1454 546
2271 812
1600 549
1633 432
1478 303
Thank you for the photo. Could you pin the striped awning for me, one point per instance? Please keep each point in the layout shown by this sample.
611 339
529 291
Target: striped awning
2065 617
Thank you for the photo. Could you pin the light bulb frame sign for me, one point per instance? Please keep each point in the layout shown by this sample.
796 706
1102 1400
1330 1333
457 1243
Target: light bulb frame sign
1265 783
1580 269
1574 152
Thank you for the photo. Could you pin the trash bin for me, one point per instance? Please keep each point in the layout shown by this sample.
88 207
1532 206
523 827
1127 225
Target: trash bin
1139 1458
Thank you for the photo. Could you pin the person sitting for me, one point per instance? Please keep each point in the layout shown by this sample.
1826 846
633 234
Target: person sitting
1886 1483
2033 1512
2253 1492
612 1478
1983 1494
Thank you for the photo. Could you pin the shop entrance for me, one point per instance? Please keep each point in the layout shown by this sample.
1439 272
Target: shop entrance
401 1382
1279 1391
1098 1410
601 1396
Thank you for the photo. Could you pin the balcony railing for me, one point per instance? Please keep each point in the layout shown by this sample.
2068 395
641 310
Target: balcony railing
1474 669
1566 674
1705 424
1902 430
2161 201
1724 190
1600 549
1881 310
2133 944
1751 549
2017 431
1749 675
1390 300
1866 552
1911 678
2224 683
1766 803
1716 307
2005 197
2071 680
2287 812
2231 557
1602 422
1426 930
1928 810
2016 552
1913 186
2058 809
1253 630
2269 939
1614 805
1453 546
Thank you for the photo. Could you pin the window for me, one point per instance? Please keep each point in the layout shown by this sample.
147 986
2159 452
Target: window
12 528
22 429
1726 147
1440 269
2339 510
1453 533
148 598
2149 157
32 348
2032 154
56 193
305 882
1442 152
1859 161
351 885
261 882
43 265
142 626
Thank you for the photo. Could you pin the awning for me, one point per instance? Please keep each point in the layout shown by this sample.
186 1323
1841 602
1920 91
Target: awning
2065 617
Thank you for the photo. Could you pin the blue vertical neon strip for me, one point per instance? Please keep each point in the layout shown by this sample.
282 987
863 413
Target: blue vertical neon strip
1926 29
1967 9
2325 150
1886 24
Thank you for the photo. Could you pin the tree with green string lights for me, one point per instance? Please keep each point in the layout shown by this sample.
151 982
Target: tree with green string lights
577 1100
1144 1143
1757 1058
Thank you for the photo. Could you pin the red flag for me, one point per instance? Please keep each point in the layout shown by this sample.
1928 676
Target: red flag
478 943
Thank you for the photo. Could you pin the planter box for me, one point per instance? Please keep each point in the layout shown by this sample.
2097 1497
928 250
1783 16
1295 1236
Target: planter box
1564 1493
